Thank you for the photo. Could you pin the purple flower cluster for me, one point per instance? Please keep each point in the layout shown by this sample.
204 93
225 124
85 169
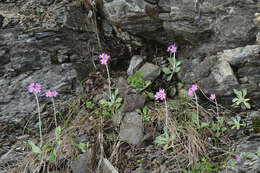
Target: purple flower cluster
160 95
193 88
104 58
50 93
172 48
35 88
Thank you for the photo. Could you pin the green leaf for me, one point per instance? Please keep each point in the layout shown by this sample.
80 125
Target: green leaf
116 92
178 63
90 105
35 149
169 78
222 121
248 106
177 69
103 102
52 156
166 70
57 132
119 100
218 134
83 146
203 124
194 118
224 129
238 93
244 92
250 155
138 111
235 100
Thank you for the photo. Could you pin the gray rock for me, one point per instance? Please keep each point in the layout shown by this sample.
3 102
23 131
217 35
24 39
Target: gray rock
254 115
150 71
135 63
84 164
131 103
107 167
258 38
131 129
123 87
249 165
233 68
46 2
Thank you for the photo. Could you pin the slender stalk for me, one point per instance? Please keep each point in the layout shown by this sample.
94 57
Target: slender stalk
217 107
109 83
174 62
166 109
54 112
197 107
39 114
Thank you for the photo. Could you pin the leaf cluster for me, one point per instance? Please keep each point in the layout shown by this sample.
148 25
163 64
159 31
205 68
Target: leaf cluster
136 81
240 98
112 105
174 68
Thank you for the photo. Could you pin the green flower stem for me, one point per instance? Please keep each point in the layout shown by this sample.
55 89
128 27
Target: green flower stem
54 112
39 114
109 83
197 107
166 109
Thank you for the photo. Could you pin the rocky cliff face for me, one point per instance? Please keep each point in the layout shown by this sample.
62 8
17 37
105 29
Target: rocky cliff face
55 43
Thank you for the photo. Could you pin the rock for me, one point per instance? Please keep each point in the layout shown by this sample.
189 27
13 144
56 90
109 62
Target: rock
135 63
131 129
107 167
123 87
172 91
131 103
46 2
257 36
249 165
254 115
85 163
233 68
150 71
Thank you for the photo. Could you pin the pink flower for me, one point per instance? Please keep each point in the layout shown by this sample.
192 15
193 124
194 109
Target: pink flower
160 95
238 159
54 93
190 92
212 96
31 87
194 87
103 61
35 88
172 48
104 58
48 93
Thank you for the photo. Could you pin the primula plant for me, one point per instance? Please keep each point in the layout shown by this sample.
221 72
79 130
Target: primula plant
145 113
52 95
235 123
241 98
195 116
136 81
103 60
36 88
164 139
174 64
112 105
